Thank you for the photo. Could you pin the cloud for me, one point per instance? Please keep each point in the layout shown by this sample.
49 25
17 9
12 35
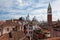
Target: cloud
16 8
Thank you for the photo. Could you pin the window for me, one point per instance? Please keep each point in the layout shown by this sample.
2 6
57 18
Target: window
30 32
30 28
7 29
0 30
55 30
14 29
30 25
10 35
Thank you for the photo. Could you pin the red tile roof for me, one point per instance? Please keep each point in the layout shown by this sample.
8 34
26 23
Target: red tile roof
1 22
6 36
10 24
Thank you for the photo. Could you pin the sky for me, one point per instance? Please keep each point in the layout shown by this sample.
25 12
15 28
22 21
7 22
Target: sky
14 9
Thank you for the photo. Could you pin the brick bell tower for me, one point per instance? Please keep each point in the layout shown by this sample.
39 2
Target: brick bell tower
49 14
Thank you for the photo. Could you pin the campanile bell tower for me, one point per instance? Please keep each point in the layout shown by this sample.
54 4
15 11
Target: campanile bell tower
49 14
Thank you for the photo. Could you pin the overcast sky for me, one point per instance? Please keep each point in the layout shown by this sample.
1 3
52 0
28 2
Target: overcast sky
11 9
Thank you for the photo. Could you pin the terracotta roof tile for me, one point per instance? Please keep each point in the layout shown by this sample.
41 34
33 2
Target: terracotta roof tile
1 22
6 36
10 24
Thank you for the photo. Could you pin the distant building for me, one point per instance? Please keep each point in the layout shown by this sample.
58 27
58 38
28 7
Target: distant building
49 14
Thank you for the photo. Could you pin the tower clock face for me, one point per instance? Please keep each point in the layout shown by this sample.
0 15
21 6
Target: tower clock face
49 11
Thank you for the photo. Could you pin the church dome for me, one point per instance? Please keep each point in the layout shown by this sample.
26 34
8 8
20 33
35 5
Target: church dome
34 19
21 18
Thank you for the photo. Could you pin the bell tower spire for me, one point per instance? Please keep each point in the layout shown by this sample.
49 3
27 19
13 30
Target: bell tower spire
49 14
49 9
49 5
27 18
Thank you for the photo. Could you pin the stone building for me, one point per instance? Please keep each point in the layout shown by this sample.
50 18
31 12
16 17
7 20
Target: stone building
9 25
